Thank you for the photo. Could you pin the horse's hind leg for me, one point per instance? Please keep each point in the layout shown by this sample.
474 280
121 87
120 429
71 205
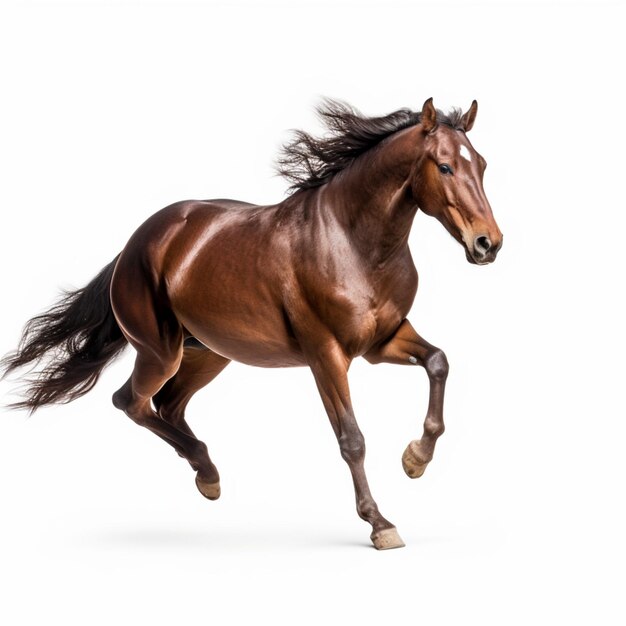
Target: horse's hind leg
134 398
199 366
156 334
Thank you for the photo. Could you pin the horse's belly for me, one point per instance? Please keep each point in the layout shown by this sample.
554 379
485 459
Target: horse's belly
260 340
258 353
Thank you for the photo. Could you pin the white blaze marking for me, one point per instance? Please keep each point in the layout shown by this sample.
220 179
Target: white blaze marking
465 153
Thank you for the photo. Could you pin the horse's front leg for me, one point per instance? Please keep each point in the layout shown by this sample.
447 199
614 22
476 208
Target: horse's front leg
406 347
330 365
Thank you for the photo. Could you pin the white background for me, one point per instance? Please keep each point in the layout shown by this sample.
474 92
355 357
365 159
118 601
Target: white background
110 111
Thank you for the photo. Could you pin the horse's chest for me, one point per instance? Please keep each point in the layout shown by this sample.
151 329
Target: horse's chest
366 318
372 326
360 307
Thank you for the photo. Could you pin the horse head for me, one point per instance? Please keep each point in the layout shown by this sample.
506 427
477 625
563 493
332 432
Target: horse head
447 182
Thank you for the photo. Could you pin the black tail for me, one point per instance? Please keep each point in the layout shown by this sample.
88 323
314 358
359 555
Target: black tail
75 339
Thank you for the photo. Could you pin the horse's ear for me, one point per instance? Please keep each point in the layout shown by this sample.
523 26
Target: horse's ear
428 117
467 121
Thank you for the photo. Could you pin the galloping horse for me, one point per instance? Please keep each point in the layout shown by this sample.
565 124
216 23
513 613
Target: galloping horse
318 279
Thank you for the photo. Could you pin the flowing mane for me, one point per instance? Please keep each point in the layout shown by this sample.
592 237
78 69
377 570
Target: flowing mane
309 161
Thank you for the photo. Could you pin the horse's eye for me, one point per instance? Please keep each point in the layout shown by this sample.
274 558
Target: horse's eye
444 168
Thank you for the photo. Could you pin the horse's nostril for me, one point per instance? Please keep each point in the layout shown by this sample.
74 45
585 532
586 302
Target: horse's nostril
482 245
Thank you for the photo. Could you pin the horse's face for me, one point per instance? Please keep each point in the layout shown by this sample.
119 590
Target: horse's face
448 184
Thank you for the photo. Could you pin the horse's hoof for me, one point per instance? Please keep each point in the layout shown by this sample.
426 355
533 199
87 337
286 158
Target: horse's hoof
208 490
411 462
386 539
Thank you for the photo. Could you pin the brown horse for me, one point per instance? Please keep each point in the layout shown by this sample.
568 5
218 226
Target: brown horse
319 279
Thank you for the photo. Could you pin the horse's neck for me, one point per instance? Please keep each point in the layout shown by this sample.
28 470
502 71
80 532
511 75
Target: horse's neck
372 198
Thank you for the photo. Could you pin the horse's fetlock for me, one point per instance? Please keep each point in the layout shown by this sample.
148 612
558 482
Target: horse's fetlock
367 511
199 449
434 428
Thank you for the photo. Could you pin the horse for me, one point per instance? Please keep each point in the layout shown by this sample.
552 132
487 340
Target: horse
318 279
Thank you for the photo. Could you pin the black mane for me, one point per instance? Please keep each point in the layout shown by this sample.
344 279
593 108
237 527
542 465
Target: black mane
308 161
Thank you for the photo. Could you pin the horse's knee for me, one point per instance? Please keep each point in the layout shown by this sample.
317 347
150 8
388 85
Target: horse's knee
436 365
352 447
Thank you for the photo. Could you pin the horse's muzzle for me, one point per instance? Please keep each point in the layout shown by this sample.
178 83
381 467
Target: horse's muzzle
483 251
